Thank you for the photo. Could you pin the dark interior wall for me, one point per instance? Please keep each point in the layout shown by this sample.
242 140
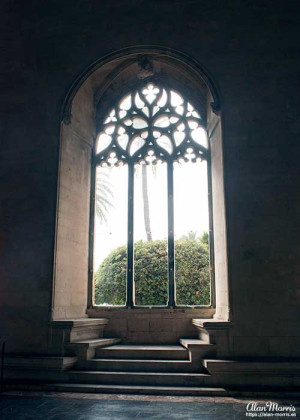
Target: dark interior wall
252 50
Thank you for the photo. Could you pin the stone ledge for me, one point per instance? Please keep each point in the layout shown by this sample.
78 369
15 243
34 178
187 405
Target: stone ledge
98 342
66 331
255 367
85 350
214 332
197 311
39 363
78 323
195 344
211 324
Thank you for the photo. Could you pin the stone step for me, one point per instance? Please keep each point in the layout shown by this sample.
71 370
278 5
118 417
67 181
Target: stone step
142 365
139 378
254 366
144 390
85 349
201 347
36 363
211 330
143 352
250 393
96 342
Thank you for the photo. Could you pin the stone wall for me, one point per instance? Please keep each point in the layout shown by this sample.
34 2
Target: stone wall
251 49
150 326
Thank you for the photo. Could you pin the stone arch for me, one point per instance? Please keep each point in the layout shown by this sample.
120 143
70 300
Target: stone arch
90 95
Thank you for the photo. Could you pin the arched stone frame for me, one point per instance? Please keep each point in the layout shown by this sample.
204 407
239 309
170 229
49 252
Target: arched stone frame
71 287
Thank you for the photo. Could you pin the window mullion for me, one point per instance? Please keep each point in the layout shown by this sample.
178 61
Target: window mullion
129 274
90 294
171 251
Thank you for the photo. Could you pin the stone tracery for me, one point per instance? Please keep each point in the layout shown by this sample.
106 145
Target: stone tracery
149 125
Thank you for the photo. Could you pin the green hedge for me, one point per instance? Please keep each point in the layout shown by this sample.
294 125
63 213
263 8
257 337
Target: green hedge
150 274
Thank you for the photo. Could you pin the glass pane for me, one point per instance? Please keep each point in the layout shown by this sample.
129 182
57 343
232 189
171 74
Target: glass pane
110 241
191 227
150 235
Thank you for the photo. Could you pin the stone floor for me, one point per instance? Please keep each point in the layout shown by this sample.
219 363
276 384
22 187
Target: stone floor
54 406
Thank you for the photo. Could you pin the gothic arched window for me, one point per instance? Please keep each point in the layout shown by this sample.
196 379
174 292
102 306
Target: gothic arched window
152 188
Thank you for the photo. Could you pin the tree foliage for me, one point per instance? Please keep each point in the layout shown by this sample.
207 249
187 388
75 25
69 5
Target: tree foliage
151 273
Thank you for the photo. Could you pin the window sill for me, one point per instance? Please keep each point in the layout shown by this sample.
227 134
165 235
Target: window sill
203 312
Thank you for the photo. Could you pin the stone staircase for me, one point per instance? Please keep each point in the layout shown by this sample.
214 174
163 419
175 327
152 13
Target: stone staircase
111 366
156 369
83 360
143 365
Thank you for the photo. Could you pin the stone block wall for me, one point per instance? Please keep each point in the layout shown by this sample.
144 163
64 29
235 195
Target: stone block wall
150 326
251 49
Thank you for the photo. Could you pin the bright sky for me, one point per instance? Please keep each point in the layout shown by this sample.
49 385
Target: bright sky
190 206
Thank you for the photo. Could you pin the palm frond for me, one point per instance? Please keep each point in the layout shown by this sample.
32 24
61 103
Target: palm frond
104 195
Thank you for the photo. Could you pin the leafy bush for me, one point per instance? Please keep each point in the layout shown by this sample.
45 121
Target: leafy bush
151 273
192 273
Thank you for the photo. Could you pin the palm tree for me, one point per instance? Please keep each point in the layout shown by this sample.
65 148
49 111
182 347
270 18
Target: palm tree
193 236
190 236
146 203
104 194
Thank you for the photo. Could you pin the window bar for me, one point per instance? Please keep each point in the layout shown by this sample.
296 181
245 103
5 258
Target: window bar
171 259
129 274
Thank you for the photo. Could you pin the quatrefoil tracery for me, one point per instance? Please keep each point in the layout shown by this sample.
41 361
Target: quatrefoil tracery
150 125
